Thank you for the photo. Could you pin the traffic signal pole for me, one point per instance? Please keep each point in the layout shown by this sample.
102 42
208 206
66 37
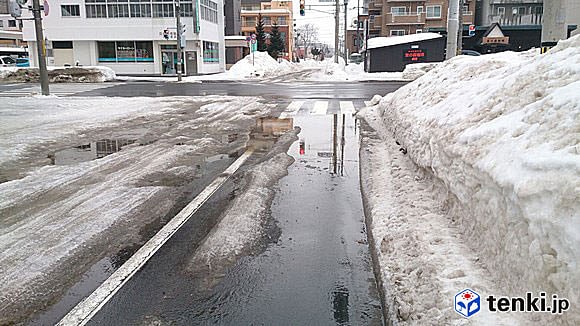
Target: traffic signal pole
179 29
345 31
40 48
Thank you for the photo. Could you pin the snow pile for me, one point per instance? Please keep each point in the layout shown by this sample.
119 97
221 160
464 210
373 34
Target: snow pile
89 74
259 64
500 132
416 70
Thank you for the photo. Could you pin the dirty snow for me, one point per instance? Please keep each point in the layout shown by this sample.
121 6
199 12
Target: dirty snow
91 74
498 135
58 220
243 223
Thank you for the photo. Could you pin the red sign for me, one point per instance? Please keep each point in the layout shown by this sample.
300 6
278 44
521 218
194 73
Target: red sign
414 55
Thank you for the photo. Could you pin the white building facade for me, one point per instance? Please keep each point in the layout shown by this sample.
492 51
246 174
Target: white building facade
133 37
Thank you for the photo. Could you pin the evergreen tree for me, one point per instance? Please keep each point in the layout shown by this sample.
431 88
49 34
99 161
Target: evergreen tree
261 35
276 46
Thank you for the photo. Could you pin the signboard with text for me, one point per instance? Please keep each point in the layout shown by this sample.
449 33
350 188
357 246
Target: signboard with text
414 55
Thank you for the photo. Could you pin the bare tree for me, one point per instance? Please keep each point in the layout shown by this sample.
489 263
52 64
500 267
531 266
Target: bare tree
307 35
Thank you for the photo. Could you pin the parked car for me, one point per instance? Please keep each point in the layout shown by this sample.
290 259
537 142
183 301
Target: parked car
7 62
22 62
470 52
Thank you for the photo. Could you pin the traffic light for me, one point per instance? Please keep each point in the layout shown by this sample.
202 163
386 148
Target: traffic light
166 34
302 12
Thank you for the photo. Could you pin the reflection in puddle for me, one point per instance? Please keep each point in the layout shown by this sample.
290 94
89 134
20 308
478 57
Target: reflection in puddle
267 131
340 304
90 151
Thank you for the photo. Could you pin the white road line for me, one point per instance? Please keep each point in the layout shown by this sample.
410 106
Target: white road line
320 108
86 309
292 109
346 107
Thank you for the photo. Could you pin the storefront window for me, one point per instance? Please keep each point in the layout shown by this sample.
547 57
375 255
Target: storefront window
144 51
211 52
125 51
107 52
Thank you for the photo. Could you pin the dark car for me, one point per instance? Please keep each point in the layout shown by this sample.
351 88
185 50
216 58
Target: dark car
470 52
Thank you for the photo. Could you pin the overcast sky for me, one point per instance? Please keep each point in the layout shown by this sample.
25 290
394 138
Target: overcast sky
324 21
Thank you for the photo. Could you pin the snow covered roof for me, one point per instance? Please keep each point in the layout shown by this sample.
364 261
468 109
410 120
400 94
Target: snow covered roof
379 42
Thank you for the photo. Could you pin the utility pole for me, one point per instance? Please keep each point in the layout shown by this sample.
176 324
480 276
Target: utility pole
460 25
553 24
357 26
179 29
345 31
40 48
336 29
452 28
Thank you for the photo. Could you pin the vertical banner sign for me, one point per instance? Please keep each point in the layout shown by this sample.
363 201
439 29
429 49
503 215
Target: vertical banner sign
196 27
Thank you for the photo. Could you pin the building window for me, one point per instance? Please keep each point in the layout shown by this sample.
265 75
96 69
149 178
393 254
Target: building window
140 9
62 44
267 20
419 31
501 11
96 8
209 11
161 9
186 8
11 23
465 10
118 9
281 20
419 10
521 11
70 10
398 11
433 11
125 51
1 23
398 32
211 52
251 21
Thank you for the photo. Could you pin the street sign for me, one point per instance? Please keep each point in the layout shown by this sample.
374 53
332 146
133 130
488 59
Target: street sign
253 41
254 46
46 8
253 36
471 30
248 38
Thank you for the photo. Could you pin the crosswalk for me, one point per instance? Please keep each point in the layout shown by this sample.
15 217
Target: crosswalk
321 107
67 89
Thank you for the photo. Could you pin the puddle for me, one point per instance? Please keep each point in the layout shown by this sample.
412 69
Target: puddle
267 131
89 151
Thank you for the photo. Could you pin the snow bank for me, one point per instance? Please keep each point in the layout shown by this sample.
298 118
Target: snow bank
416 70
259 64
501 133
85 74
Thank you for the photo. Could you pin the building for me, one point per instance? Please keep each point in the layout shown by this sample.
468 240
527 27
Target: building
272 12
509 12
10 33
133 38
399 17
235 43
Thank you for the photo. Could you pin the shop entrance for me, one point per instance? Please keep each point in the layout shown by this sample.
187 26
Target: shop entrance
169 60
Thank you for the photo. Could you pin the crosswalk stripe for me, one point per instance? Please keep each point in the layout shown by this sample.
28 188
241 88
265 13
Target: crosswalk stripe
346 107
320 108
292 109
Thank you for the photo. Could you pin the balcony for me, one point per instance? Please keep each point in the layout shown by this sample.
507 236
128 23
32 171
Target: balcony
409 18
510 20
377 23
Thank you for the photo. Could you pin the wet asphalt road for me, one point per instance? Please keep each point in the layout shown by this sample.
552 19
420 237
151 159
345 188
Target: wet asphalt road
294 90
313 268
